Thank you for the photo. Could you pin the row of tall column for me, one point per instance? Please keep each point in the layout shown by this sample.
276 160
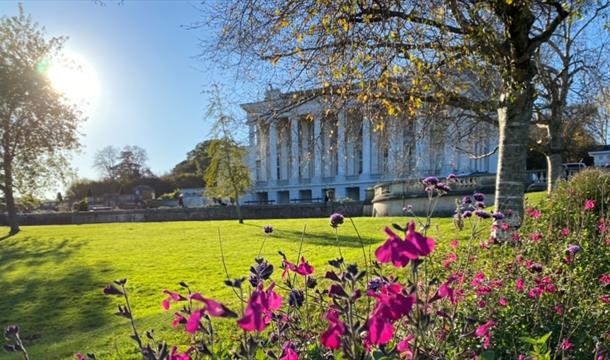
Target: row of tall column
304 158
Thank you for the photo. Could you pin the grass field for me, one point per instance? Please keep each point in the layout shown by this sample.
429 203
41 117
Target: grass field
51 277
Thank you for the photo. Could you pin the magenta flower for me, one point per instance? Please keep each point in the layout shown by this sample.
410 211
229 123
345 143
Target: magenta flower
566 344
430 181
404 347
605 279
79 356
172 297
484 332
446 291
450 259
605 299
533 213
178 320
503 301
399 252
288 352
192 323
213 307
391 305
520 285
454 244
304 268
259 309
589 204
331 337
174 355
536 236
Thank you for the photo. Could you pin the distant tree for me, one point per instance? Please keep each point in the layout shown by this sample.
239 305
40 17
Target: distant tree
131 164
189 172
38 126
227 175
105 161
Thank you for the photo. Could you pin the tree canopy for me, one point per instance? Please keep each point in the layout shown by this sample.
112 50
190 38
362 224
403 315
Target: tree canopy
38 125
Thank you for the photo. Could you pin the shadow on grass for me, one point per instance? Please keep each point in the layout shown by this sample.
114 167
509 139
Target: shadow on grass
45 297
316 238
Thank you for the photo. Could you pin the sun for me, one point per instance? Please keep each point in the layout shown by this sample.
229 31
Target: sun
74 77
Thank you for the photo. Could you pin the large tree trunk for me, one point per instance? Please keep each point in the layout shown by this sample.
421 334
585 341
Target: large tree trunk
514 117
554 170
9 197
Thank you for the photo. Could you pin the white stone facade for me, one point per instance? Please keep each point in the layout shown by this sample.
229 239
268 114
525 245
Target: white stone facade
308 153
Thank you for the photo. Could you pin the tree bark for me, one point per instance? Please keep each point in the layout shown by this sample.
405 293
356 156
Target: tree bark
514 117
555 170
9 197
238 209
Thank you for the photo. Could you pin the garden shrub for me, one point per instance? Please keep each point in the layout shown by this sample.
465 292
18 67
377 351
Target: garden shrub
543 294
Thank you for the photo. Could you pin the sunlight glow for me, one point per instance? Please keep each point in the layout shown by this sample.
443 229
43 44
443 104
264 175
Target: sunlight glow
74 77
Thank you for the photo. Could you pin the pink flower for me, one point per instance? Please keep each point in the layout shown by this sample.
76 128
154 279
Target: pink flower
565 343
79 356
331 337
399 252
404 347
451 258
192 324
483 332
445 291
178 320
288 352
213 307
565 231
505 226
536 236
391 306
605 299
589 204
533 213
515 236
605 279
602 226
454 244
259 309
172 297
503 301
304 268
478 280
519 285
174 355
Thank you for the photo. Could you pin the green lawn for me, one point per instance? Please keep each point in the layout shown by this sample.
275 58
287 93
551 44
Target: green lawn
51 277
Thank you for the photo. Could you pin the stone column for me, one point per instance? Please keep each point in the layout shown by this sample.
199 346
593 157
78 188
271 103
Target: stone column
273 152
284 149
252 151
317 147
366 148
294 150
394 148
341 158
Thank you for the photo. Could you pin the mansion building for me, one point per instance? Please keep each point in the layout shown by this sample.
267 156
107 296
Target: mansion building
309 153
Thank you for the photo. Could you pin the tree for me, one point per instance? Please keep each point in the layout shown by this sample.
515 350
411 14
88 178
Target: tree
566 65
397 55
227 174
38 126
105 161
131 164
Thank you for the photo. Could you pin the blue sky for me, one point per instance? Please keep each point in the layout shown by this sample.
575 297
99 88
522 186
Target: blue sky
150 81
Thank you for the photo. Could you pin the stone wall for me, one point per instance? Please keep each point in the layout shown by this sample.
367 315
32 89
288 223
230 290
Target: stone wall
197 214
391 197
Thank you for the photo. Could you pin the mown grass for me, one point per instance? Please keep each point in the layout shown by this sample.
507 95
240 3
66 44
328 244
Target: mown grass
51 277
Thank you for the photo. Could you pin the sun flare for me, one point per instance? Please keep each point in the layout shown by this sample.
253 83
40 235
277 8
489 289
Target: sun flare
74 77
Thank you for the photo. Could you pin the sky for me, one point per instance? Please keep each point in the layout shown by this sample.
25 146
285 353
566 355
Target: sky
150 81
